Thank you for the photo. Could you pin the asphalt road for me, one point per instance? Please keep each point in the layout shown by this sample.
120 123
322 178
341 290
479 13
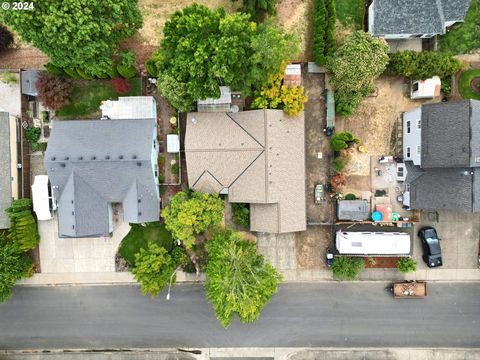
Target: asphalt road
300 315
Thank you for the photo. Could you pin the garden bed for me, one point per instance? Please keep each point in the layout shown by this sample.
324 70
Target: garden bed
87 96
469 84
381 262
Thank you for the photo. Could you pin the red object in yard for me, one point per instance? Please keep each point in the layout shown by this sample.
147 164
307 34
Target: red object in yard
385 210
120 85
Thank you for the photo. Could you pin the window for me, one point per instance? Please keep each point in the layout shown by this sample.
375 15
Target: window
408 126
419 149
407 155
419 123
415 86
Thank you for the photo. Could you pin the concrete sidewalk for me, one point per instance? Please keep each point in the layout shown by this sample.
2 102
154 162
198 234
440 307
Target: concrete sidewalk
251 353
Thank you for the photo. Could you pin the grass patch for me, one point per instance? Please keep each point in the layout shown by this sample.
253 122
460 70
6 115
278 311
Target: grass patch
88 94
464 86
139 236
350 12
464 37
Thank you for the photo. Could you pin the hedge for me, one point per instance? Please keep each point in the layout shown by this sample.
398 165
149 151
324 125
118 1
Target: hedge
424 65
324 20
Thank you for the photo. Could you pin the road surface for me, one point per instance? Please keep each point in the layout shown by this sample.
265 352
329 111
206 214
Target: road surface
300 315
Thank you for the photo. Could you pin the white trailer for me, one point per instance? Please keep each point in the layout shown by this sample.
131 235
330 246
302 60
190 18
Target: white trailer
369 243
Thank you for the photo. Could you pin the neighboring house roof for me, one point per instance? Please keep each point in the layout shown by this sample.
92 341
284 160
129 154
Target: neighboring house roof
354 210
449 176
94 163
130 107
5 169
451 134
259 156
416 17
445 189
29 79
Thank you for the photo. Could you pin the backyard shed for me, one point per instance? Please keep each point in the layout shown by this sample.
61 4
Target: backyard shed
173 143
426 89
29 78
353 210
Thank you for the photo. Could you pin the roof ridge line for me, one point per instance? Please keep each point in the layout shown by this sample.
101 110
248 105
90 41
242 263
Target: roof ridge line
222 150
241 127
248 166
267 179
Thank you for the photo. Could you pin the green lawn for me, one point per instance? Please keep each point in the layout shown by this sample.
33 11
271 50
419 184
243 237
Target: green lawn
88 94
464 84
462 38
350 12
139 236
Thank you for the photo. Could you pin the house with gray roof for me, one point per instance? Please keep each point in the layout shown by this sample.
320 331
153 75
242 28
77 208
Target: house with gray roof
93 164
353 210
401 19
441 150
256 157
6 169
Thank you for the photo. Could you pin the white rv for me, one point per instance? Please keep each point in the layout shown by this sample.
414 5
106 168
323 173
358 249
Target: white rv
368 243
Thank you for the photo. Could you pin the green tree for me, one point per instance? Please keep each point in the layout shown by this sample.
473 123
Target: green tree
203 49
77 33
23 227
153 269
257 9
406 265
239 280
355 66
424 65
189 215
347 268
324 18
14 265
343 140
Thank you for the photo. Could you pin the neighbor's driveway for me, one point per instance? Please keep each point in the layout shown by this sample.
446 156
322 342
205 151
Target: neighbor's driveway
73 255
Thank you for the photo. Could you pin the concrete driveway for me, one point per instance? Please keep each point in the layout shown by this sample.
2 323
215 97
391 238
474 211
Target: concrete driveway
77 255
460 234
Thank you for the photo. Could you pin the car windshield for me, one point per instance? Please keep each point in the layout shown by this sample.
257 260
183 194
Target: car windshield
434 246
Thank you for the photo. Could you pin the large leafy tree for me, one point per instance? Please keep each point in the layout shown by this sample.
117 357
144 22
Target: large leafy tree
187 215
53 91
203 49
259 8
355 66
153 268
14 265
23 227
239 281
79 34
423 65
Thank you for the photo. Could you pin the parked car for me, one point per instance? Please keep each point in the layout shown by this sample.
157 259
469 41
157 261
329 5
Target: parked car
432 252
319 194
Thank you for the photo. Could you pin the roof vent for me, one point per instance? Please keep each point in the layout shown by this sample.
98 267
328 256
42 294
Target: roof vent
139 163
80 158
139 201
67 158
53 158
120 157
139 213
62 164
107 157
134 156
194 120
94 157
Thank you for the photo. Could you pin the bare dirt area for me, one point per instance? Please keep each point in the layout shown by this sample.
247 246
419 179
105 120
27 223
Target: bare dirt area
374 121
311 246
296 16
22 58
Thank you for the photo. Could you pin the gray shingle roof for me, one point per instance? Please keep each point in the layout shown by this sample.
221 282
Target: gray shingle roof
354 210
443 189
94 163
455 10
446 134
416 17
5 169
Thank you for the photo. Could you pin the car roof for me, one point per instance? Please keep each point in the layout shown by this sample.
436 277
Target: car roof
434 246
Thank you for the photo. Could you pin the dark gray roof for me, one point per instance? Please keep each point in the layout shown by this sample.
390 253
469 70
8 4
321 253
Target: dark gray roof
446 135
353 210
475 133
455 10
443 189
5 169
407 17
29 79
416 17
95 163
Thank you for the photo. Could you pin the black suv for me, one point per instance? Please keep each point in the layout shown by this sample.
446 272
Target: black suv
432 252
